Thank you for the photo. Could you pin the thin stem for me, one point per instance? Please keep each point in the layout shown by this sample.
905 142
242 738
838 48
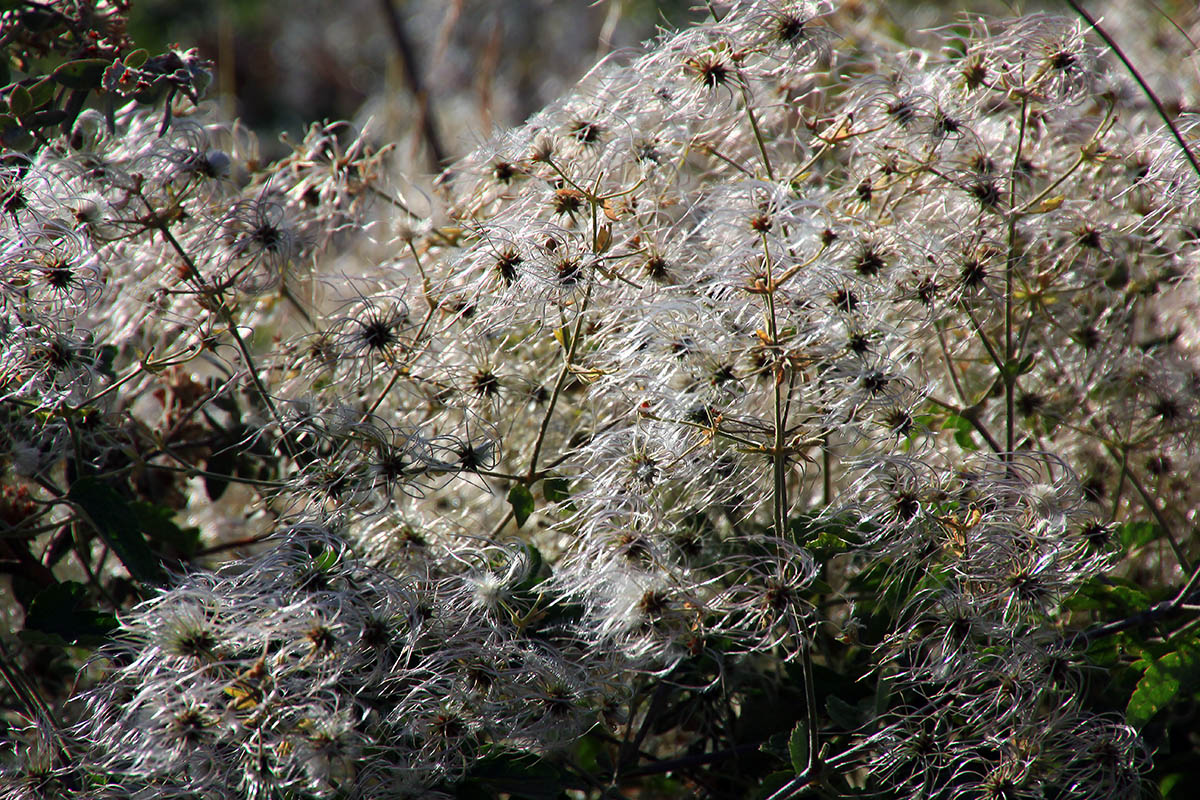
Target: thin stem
941 334
712 151
192 471
1055 184
971 415
559 383
826 471
1137 76
426 286
1086 151
1010 267
234 544
499 526
778 458
786 276
810 700
1151 505
758 137
987 343
227 317
395 201
1153 614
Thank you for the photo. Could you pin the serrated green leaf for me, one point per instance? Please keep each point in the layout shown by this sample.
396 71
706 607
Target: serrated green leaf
798 747
59 615
777 745
521 500
1161 683
117 524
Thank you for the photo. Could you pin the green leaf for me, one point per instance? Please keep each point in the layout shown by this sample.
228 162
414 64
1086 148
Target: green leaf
922 424
20 101
592 754
59 616
107 357
151 93
777 745
964 432
83 73
136 58
844 715
1014 368
563 335
556 489
1113 596
1137 534
771 784
18 138
42 92
1104 652
520 777
326 560
538 571
1161 682
798 747
118 525
158 524
1166 787
44 119
222 462
521 500
827 544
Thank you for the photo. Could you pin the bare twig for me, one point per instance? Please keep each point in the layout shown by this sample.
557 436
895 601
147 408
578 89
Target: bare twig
416 84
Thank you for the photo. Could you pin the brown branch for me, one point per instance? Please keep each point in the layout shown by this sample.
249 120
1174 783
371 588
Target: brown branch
412 76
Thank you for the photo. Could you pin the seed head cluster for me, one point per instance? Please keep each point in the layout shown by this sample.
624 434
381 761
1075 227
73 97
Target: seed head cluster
776 350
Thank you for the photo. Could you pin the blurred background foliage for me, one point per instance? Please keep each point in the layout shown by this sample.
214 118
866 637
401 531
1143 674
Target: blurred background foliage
486 64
